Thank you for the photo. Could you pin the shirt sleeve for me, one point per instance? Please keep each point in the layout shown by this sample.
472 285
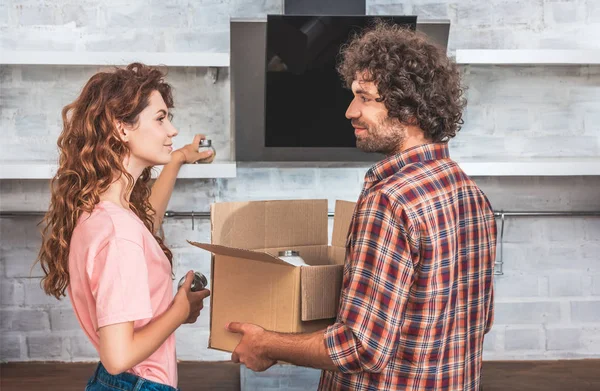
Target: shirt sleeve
489 320
119 283
375 293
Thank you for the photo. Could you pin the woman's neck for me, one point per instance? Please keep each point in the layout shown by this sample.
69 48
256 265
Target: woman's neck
119 192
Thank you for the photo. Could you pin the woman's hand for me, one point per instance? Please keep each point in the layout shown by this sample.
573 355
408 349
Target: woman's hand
190 302
189 153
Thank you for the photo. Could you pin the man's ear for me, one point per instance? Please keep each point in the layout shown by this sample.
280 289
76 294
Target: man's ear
412 121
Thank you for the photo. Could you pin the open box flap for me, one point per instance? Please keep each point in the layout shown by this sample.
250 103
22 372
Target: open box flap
269 224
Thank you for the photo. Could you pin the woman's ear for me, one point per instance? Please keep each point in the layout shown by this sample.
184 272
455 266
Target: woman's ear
122 130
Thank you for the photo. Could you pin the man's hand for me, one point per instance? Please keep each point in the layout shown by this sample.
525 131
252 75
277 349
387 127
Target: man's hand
251 351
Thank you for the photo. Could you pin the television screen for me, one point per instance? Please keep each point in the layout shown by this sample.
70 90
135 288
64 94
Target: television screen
306 100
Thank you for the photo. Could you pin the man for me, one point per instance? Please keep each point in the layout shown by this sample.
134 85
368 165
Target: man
417 288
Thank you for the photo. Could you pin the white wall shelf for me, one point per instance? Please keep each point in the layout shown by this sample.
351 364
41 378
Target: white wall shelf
528 57
206 59
473 167
47 171
532 167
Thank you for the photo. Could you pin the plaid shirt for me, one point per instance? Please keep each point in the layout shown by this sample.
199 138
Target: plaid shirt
417 290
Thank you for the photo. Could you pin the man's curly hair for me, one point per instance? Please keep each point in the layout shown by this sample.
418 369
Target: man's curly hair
416 81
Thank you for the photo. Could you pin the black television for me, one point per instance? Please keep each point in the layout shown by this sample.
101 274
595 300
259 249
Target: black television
288 102
305 99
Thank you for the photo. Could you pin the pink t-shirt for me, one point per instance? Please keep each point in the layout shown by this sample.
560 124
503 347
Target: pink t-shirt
119 273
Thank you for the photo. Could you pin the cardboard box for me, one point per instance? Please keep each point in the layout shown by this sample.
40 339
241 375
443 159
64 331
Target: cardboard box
249 283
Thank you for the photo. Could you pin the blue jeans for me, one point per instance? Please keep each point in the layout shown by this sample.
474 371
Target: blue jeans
104 381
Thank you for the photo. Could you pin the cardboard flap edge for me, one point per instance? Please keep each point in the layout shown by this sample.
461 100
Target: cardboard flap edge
239 253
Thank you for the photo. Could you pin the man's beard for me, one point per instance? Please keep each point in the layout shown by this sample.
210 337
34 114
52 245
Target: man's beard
386 137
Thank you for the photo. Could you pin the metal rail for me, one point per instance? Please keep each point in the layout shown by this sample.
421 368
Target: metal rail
205 215
498 265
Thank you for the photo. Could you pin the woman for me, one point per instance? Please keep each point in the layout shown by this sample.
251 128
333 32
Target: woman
99 240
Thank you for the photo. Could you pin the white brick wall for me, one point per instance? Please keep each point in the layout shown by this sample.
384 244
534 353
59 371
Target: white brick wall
548 301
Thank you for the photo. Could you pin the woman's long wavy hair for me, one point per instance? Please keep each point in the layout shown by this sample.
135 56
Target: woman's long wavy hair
91 159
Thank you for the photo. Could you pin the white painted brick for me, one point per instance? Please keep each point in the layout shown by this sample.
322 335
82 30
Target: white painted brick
280 377
522 13
513 120
563 339
35 295
568 257
523 339
242 8
590 251
82 349
497 86
45 347
516 285
36 15
564 229
249 181
202 41
342 180
79 14
196 196
32 125
475 14
524 257
167 15
10 347
519 230
192 344
295 179
21 233
591 229
477 120
596 285
561 11
24 320
177 231
585 311
22 195
63 319
591 122
593 11
121 15
590 339
38 39
213 15
489 341
467 146
267 380
567 284
558 122
468 38
388 9
527 313
191 258
299 379
11 293
36 74
432 10
121 40
544 146
4 14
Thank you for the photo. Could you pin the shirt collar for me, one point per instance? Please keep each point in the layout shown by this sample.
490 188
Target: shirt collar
420 153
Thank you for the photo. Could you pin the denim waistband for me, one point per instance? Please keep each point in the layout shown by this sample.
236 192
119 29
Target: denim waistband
128 381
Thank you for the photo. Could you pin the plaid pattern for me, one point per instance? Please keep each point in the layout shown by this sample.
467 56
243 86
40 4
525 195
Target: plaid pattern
417 291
